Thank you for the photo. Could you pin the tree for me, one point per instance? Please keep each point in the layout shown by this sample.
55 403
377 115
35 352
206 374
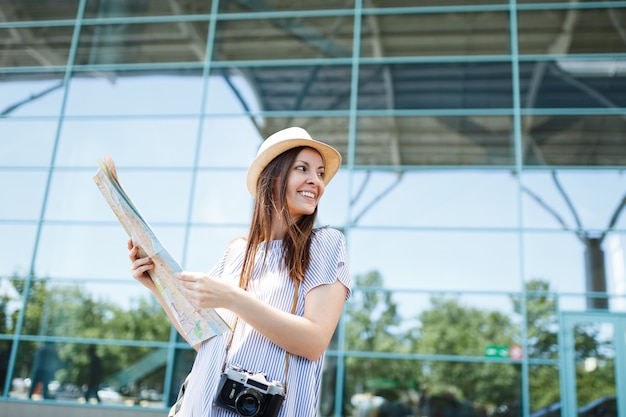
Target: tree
373 326
449 328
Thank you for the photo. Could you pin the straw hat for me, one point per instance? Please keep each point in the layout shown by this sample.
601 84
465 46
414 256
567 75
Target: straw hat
286 139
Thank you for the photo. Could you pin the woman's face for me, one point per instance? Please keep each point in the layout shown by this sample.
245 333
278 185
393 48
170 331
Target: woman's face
305 183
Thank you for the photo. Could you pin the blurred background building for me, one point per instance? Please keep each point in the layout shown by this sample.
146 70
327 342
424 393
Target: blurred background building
481 193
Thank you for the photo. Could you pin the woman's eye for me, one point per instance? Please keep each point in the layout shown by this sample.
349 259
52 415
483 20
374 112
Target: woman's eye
321 174
301 168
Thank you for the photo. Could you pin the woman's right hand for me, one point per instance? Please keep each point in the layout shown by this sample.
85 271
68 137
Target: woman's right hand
140 266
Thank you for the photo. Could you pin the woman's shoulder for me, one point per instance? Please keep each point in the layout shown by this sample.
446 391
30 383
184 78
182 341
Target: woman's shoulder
327 236
327 232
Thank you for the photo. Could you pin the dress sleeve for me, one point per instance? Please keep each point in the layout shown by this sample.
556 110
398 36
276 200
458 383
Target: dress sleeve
328 260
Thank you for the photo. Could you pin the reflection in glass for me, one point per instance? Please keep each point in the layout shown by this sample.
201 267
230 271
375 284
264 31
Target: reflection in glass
47 46
414 387
571 31
438 260
24 94
292 37
22 194
134 93
16 247
435 199
116 374
142 43
114 8
39 10
475 85
434 140
485 33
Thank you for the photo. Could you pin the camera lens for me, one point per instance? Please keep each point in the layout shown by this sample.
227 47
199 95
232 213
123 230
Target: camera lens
248 403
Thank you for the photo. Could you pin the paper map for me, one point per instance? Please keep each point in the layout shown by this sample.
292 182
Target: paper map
198 325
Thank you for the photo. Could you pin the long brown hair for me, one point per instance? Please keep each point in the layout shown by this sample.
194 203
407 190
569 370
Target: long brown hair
271 197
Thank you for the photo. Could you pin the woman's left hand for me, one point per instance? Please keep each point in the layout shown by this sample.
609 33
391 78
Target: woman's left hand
204 291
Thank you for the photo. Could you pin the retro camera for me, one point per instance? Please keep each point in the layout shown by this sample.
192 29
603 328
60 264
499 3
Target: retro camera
248 394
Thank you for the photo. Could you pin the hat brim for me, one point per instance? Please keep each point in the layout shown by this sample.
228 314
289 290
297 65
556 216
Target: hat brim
331 157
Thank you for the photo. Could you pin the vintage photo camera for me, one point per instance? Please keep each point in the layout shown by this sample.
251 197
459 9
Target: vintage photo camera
248 394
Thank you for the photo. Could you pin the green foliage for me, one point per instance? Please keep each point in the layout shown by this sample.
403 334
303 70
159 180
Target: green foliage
70 311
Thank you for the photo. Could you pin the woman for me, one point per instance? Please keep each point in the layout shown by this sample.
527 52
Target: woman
285 265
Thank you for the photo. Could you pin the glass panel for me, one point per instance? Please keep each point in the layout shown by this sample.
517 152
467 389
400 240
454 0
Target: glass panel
148 142
115 8
571 31
22 194
438 260
594 345
484 33
573 84
411 3
575 141
476 85
586 199
91 252
37 94
542 309
207 245
39 10
228 141
232 92
436 140
16 246
301 87
124 93
150 191
36 46
278 5
416 319
545 393
66 375
101 310
435 199
222 197
20 139
544 255
142 43
285 38
386 387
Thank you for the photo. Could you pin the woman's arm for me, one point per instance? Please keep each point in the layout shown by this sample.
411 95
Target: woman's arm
139 269
306 336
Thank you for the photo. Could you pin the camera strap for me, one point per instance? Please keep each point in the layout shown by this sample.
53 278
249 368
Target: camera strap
296 287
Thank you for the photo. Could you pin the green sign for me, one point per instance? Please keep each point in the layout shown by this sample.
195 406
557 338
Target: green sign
497 351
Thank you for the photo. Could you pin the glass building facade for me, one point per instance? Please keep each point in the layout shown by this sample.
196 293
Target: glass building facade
481 193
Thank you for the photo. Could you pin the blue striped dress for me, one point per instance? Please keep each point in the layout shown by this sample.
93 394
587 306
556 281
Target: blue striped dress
249 348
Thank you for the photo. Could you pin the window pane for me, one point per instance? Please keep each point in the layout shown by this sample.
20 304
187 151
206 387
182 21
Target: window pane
153 142
22 194
481 85
596 31
142 43
19 139
134 94
484 33
36 46
573 199
436 140
207 245
436 199
113 8
222 198
284 38
16 246
402 387
39 10
94 252
228 142
574 84
438 260
38 94
273 5
545 256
